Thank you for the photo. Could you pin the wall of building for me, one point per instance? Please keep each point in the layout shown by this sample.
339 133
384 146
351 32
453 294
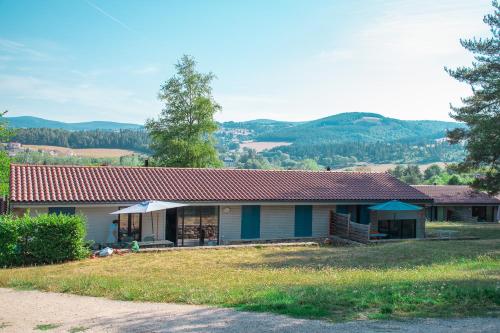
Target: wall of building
464 213
419 216
157 229
99 222
321 220
276 222
230 223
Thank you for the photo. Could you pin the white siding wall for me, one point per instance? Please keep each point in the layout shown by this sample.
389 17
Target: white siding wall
321 220
158 225
230 223
99 221
277 222
38 211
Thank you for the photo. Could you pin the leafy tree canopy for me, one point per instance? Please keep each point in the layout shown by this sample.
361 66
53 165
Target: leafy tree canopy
481 111
182 136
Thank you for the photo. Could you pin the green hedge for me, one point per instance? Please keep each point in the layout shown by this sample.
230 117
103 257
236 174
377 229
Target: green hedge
43 239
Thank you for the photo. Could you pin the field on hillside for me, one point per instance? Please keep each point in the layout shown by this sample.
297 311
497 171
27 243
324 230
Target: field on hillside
263 145
393 280
386 167
84 152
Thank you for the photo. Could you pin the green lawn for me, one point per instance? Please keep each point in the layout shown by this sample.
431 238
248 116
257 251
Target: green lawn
394 280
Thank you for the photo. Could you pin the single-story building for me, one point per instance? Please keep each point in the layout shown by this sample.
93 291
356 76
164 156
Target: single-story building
459 203
225 205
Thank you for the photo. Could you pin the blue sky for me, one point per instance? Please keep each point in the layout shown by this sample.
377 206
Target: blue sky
290 60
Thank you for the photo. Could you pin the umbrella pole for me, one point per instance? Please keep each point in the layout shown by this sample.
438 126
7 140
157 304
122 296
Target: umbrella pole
152 225
157 220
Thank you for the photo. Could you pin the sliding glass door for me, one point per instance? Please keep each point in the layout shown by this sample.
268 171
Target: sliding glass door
398 228
198 225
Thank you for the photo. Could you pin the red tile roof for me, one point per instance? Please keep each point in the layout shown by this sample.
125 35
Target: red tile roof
456 194
43 183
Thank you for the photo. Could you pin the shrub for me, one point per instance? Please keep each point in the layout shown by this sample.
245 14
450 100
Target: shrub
42 239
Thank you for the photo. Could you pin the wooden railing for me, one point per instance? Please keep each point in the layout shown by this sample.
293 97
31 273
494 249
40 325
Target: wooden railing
342 226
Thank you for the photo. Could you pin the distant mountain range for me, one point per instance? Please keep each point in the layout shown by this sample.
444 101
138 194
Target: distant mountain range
36 122
342 127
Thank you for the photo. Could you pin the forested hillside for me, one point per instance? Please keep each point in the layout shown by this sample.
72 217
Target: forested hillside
35 122
345 153
337 141
358 127
136 140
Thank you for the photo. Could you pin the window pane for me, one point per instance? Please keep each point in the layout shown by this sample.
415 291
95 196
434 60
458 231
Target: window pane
62 210
209 231
135 229
191 226
123 227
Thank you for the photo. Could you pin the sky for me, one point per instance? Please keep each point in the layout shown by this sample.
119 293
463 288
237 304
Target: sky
81 60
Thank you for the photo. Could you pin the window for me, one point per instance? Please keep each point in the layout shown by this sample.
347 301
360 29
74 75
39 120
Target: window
129 227
62 210
479 212
398 228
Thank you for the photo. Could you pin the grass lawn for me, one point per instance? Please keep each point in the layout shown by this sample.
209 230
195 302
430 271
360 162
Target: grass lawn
394 280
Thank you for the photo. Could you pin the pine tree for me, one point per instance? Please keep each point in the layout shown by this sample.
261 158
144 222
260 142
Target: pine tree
481 111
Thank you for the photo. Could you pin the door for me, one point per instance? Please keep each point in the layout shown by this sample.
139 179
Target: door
171 225
250 222
398 229
408 228
303 221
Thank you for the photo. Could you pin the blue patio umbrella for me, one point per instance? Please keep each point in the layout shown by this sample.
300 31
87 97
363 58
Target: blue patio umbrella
395 206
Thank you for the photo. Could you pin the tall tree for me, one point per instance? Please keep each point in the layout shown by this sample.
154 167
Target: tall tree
5 134
481 111
182 136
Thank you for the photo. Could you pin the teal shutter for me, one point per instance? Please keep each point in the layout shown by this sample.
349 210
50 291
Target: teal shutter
364 214
250 222
303 221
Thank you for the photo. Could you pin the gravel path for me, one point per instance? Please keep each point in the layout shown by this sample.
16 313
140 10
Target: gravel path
22 311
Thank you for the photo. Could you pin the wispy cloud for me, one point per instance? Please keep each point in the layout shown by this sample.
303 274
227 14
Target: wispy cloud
146 70
111 17
14 47
335 55
100 101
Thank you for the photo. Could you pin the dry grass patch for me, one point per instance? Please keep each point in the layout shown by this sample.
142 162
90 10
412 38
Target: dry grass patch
83 152
397 280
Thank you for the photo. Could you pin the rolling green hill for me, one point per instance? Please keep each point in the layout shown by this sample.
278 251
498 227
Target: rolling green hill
357 127
338 141
35 122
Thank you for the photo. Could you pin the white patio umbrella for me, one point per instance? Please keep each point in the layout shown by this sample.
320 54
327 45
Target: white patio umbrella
149 206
